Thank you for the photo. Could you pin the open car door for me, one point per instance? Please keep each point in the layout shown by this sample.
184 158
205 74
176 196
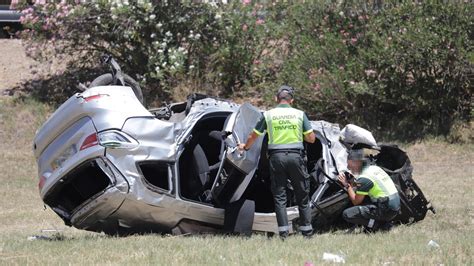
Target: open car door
236 170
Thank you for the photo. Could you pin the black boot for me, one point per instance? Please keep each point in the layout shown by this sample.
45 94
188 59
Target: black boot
369 230
307 234
386 227
284 235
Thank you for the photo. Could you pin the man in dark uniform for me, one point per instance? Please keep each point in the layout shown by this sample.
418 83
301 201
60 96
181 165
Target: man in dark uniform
372 181
286 128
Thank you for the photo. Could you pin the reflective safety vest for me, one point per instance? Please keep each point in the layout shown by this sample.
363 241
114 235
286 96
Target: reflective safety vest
284 128
383 184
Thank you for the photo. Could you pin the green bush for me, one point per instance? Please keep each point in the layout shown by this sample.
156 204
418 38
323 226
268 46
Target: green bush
401 71
323 58
251 39
422 67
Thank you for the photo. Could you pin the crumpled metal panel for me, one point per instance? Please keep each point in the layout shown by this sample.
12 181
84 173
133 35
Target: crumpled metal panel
132 203
201 108
68 142
98 209
102 206
145 207
170 212
156 139
115 105
245 120
266 222
329 134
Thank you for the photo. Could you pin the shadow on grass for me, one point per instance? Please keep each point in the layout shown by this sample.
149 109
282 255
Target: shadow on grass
56 89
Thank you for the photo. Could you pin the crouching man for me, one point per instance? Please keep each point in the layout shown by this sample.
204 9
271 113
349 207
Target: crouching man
369 180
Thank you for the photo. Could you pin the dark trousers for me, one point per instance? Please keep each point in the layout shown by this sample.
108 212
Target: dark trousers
370 216
284 166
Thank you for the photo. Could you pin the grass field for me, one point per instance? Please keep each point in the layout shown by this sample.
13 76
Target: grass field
444 171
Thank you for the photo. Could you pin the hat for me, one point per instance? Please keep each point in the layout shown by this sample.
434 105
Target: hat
356 155
286 89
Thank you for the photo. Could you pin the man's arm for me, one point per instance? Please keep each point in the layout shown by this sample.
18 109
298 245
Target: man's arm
356 199
308 132
250 140
256 132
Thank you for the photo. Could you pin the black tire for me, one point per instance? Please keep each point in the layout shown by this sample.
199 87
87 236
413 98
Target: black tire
107 80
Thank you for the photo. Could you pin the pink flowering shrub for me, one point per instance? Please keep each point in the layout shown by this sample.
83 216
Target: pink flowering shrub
157 43
160 44
403 70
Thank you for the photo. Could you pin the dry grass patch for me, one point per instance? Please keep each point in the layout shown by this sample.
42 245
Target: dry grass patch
443 171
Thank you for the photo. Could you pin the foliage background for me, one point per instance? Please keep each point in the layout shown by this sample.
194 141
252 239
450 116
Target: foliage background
402 70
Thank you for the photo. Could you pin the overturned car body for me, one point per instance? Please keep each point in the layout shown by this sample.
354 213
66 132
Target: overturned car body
108 164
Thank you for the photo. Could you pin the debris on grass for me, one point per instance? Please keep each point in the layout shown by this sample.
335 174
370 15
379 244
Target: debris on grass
433 244
333 258
51 230
56 236
39 237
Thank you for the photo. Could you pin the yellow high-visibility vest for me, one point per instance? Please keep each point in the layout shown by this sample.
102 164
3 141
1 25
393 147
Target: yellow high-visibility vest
383 184
285 128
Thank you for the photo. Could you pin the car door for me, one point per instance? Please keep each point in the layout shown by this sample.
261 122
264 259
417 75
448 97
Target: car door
237 169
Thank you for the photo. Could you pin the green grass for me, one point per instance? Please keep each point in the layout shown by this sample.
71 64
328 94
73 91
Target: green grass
445 172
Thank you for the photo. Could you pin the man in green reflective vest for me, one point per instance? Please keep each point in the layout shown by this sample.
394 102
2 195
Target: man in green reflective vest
287 127
374 182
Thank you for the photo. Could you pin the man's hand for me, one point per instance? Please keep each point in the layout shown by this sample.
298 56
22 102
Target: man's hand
250 140
342 178
310 137
241 147
356 199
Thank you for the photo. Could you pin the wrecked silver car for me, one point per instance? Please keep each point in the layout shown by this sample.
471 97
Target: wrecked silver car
107 164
